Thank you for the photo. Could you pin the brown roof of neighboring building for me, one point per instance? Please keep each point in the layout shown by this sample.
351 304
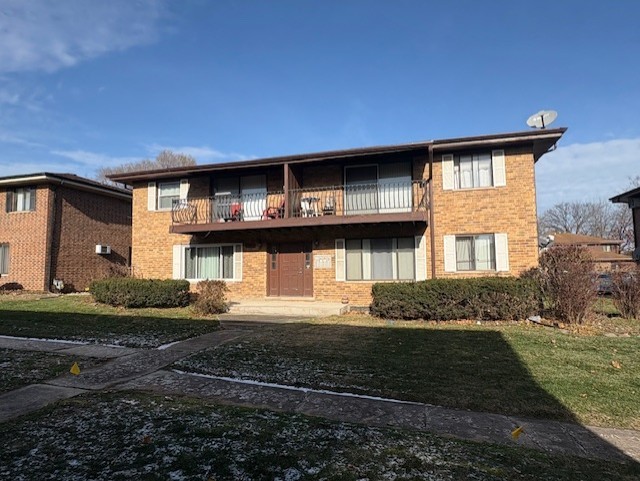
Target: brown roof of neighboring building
70 180
542 141
565 238
602 256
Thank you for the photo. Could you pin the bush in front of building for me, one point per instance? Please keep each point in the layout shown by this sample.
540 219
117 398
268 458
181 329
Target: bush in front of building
625 291
129 292
211 297
567 281
482 298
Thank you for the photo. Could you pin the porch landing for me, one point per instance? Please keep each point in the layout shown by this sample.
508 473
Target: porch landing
286 306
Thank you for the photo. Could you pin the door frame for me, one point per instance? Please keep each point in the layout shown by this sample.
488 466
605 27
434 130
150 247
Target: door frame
273 273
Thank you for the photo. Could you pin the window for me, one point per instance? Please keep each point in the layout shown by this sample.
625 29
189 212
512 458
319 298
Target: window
209 262
380 259
476 253
471 171
4 259
22 199
167 193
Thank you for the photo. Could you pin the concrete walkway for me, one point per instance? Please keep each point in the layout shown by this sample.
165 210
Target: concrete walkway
143 369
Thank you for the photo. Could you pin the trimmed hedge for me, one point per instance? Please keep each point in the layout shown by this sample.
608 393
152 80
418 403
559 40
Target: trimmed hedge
482 298
129 292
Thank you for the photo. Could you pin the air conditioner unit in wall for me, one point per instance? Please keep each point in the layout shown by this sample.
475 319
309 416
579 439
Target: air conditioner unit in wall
103 250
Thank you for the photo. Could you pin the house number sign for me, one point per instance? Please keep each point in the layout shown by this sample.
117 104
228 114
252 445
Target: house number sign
321 262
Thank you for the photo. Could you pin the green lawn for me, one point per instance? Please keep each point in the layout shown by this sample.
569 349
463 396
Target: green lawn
151 438
77 317
20 368
514 369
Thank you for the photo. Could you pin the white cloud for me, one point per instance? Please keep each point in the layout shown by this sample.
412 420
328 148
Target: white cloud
202 153
93 159
47 35
586 172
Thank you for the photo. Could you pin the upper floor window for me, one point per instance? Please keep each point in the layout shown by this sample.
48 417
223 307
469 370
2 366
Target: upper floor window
21 199
473 170
167 193
4 259
470 171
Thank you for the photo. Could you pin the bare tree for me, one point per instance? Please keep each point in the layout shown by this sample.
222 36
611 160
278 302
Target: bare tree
164 160
600 219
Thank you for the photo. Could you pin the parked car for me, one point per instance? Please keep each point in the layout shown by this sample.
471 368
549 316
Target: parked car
604 284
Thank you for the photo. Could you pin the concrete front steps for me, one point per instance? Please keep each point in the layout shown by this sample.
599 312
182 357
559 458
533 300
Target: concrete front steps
286 306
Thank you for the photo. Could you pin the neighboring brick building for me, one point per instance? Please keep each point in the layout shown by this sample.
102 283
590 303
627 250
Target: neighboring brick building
328 225
605 252
51 225
632 199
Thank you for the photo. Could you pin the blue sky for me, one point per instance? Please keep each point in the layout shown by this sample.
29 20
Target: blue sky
90 83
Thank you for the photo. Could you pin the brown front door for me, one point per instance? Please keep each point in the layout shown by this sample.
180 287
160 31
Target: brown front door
290 271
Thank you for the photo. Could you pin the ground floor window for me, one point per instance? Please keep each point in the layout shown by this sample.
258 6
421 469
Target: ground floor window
380 259
210 262
4 259
476 253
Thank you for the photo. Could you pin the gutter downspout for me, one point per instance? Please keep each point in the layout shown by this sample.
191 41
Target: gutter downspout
51 223
432 232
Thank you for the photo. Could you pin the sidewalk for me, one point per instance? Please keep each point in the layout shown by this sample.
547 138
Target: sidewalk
143 369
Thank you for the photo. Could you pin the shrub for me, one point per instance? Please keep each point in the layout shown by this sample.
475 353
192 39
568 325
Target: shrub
625 291
129 292
567 281
483 298
211 298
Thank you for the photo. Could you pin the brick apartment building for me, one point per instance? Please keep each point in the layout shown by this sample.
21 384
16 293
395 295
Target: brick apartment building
51 226
328 225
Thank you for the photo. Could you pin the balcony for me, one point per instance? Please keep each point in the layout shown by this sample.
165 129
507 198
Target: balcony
310 206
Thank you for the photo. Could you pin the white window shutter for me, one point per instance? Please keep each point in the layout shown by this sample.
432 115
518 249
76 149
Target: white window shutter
421 258
178 256
499 169
151 196
447 172
449 253
184 189
502 252
340 260
237 262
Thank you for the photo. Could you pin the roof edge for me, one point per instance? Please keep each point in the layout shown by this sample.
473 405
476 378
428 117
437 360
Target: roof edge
544 136
68 179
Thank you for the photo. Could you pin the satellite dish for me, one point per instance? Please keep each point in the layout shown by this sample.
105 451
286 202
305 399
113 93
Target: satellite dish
542 119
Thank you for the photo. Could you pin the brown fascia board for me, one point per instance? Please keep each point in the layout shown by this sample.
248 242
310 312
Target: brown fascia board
70 180
625 197
542 140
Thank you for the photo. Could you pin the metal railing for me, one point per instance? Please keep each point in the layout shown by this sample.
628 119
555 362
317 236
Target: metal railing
341 200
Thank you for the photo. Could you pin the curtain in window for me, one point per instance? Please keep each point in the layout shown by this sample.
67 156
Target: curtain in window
167 193
464 253
381 259
466 172
484 251
482 170
227 262
354 259
406 259
4 259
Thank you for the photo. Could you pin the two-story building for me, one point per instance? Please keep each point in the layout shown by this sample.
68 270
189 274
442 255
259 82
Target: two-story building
328 225
605 252
61 230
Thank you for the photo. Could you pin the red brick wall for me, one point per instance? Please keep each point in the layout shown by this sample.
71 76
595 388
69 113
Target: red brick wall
83 220
26 234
